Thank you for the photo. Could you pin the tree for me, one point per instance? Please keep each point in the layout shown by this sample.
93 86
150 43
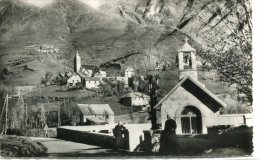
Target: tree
36 116
42 116
120 87
16 116
229 47
46 80
70 113
106 89
142 87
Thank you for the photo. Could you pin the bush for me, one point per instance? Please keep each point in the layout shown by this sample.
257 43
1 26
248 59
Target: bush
21 147
14 131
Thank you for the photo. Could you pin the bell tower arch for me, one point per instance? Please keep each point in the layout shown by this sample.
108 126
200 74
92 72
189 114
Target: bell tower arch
187 63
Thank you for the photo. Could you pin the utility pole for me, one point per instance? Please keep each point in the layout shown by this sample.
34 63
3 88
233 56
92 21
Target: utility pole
59 123
153 89
135 63
26 118
6 113
40 92
3 113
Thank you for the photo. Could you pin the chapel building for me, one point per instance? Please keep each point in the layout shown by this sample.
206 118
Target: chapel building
193 106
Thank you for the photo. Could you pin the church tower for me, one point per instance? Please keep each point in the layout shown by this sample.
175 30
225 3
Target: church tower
187 62
77 62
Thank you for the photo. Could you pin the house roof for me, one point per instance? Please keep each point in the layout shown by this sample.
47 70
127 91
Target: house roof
92 109
186 47
96 120
74 75
92 78
81 74
135 94
129 69
97 74
199 91
91 67
100 72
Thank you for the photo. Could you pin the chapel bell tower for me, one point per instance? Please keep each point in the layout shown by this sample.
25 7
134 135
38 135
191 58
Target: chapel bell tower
186 61
77 62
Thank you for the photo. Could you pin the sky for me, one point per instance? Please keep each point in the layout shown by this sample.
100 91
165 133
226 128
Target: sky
93 3
38 3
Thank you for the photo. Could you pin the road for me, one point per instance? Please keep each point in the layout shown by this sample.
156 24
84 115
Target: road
57 148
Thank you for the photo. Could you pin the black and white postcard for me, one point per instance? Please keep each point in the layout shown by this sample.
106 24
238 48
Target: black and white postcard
126 79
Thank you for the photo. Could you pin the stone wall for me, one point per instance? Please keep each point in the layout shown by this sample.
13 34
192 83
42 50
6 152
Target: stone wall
92 134
96 139
136 134
230 136
234 119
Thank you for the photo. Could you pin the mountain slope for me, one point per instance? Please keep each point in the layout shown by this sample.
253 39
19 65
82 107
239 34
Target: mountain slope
124 32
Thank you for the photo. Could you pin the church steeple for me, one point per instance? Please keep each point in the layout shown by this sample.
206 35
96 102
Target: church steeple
187 62
77 62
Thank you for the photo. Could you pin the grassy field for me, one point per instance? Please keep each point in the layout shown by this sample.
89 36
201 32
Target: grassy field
58 91
118 108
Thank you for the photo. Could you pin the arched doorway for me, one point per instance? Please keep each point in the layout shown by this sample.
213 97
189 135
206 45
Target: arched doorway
191 121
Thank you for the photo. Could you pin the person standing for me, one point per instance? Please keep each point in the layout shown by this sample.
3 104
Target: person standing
119 133
46 128
168 144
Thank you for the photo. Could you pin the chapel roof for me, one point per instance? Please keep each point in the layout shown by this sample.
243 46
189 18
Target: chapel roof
199 91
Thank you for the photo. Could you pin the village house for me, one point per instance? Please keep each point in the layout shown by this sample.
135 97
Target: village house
90 75
89 70
129 72
87 73
193 106
199 64
137 100
68 74
160 65
92 82
93 69
100 74
73 80
48 49
97 74
92 114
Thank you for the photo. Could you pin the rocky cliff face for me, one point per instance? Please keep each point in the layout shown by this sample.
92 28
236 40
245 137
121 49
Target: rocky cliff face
197 18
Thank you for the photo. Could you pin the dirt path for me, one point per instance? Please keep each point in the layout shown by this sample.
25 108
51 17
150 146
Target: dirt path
60 148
